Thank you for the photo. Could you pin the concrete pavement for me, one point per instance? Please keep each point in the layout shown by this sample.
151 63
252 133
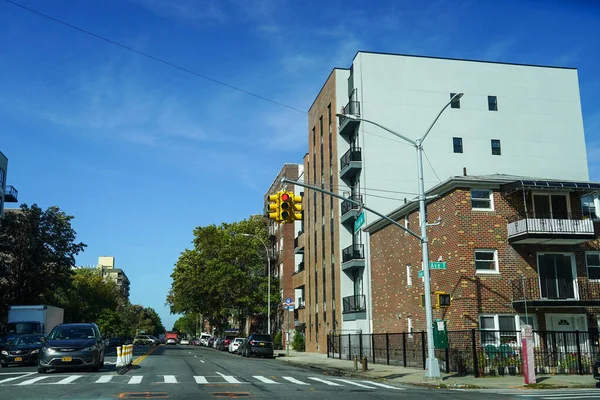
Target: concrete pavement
412 376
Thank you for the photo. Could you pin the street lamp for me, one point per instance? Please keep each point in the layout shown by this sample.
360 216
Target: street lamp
432 369
268 279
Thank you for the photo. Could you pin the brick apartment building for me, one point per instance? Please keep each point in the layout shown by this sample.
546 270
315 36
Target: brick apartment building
508 242
8 194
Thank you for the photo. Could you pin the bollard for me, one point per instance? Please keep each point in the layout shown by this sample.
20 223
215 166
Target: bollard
364 364
356 363
119 358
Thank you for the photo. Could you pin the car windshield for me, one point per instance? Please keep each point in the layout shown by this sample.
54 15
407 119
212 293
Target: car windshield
262 338
23 327
27 340
72 332
238 340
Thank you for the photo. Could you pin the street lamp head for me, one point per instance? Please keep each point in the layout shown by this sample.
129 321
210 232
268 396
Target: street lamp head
458 96
349 116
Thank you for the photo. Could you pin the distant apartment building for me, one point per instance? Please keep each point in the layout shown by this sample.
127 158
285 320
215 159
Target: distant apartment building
513 119
107 265
8 194
282 252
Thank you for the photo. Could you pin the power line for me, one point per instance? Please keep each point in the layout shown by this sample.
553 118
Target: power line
322 185
436 175
154 58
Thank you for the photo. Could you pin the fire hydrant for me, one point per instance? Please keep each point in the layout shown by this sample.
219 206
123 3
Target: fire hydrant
364 364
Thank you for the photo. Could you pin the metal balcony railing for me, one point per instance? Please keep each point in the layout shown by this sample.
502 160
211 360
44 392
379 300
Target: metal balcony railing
348 206
11 195
544 223
354 303
353 252
532 289
352 108
354 154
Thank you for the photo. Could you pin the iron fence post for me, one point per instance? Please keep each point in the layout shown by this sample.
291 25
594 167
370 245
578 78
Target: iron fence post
387 347
360 343
579 364
423 349
349 348
475 360
404 348
447 360
373 346
340 347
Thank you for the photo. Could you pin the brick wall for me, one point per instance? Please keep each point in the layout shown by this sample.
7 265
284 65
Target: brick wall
461 231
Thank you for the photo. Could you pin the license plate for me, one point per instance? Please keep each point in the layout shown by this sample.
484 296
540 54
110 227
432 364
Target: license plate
67 359
262 344
18 359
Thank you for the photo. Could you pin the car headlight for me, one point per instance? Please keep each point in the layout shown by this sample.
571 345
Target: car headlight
48 350
35 351
4 352
91 348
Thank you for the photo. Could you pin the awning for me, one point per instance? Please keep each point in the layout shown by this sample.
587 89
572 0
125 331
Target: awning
550 185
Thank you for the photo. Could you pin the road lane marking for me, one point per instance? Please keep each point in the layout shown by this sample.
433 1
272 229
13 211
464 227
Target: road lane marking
136 379
200 380
67 380
104 379
383 385
324 381
263 379
143 356
229 378
32 381
355 383
16 377
294 380
170 379
202 361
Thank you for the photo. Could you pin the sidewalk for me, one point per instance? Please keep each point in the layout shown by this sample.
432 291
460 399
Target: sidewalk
412 376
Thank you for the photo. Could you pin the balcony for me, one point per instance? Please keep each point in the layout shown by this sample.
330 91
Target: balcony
350 211
566 229
353 257
350 164
11 194
555 292
354 307
347 125
299 243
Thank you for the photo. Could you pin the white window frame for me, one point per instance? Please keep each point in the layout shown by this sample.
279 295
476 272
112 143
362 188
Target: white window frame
410 327
496 330
495 271
408 276
587 266
490 198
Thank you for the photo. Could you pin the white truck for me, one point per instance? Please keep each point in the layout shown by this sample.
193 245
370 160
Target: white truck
33 319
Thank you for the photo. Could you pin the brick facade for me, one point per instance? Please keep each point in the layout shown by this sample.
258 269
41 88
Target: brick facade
462 230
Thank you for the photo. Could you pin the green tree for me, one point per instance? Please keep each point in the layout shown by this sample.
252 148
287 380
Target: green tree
37 252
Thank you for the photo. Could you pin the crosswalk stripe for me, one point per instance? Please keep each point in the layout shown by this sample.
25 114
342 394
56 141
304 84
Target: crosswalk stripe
324 381
136 379
200 380
383 385
294 380
15 378
265 380
229 378
355 383
67 380
32 381
170 379
585 396
104 379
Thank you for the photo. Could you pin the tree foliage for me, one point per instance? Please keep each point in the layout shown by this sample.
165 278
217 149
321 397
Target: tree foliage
224 274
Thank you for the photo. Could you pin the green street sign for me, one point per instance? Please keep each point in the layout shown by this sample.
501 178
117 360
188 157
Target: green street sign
420 274
359 222
437 265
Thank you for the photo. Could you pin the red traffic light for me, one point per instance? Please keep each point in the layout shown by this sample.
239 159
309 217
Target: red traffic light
285 197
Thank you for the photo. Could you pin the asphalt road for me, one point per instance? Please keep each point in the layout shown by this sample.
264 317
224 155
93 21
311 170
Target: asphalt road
187 372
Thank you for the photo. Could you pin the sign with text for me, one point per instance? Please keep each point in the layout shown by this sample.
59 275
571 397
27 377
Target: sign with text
359 222
437 264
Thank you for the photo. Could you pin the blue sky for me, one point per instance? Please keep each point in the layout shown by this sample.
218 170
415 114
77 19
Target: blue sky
141 153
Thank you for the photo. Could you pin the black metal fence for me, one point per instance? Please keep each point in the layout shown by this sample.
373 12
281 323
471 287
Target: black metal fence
475 352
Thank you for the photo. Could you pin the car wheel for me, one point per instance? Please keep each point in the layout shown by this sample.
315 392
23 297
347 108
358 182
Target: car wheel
2 365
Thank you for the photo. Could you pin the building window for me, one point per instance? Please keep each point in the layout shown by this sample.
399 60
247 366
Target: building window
482 199
2 178
408 277
314 136
457 144
592 262
486 261
496 150
456 102
409 327
504 329
492 103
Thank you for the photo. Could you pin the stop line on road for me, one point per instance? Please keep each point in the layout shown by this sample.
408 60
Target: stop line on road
218 379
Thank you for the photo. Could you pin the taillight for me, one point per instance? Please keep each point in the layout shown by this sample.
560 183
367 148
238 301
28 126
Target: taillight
251 342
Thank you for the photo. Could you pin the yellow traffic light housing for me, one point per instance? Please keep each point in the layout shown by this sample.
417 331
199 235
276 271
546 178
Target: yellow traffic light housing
444 300
297 207
274 207
287 207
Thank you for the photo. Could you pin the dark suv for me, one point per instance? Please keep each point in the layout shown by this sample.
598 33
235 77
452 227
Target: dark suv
72 346
257 344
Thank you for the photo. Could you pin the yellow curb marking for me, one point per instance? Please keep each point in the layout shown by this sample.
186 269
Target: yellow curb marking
142 357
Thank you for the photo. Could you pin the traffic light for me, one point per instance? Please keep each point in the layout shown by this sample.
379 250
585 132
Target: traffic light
297 207
422 300
274 207
443 300
287 207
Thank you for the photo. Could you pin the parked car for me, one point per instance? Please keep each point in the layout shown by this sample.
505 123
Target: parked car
171 341
235 343
145 340
241 346
596 368
226 340
72 346
258 344
184 341
23 349
217 343
204 338
211 342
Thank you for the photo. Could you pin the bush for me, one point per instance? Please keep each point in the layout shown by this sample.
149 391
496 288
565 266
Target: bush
298 343
277 343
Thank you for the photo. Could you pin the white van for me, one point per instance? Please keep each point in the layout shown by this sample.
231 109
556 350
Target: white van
204 337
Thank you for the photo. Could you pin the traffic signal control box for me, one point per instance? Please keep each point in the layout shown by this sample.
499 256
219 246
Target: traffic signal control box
440 335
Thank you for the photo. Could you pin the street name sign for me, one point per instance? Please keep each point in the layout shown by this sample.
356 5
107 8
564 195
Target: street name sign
437 265
359 221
